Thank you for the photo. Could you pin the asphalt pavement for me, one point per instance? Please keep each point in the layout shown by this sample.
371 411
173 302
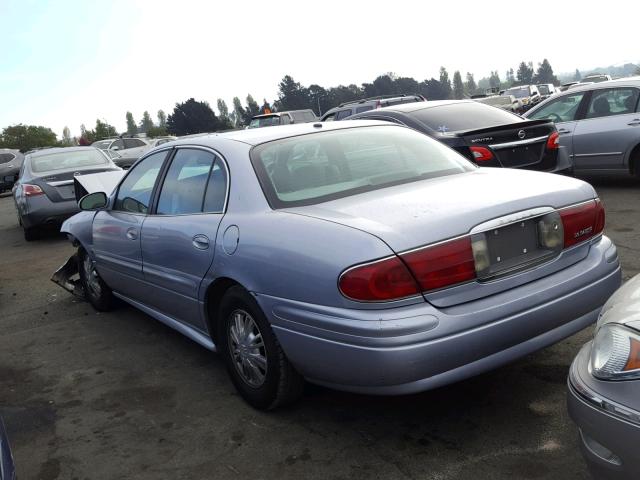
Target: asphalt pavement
103 396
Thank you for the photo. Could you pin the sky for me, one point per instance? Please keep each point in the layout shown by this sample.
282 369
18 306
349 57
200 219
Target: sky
66 63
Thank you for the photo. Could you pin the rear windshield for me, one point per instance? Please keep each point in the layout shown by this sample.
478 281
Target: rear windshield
495 100
6 157
67 160
318 167
303 117
265 121
521 92
463 116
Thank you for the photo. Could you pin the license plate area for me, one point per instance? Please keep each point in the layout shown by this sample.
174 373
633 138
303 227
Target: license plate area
514 247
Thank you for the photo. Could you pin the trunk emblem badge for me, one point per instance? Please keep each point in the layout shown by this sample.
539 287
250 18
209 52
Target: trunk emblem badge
521 134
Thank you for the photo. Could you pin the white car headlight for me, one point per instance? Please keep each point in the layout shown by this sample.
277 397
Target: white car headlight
615 353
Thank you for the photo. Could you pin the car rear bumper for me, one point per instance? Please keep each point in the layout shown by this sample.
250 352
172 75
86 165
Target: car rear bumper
42 211
419 347
609 438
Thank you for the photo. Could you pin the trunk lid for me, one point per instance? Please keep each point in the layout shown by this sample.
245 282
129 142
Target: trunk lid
59 186
428 211
517 145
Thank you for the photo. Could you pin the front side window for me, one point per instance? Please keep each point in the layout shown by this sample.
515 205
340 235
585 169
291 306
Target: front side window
310 169
184 187
562 109
134 194
612 101
118 144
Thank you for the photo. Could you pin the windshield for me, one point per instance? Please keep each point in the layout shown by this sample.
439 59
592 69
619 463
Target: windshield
311 169
67 160
543 89
265 122
496 100
455 117
521 92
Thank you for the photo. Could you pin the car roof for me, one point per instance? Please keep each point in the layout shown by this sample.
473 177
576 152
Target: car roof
416 106
256 136
49 151
620 82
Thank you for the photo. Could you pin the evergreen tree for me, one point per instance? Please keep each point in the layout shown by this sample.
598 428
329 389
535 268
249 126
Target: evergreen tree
146 123
458 86
162 119
291 95
223 110
494 79
240 113
524 74
445 83
131 124
544 74
253 108
577 77
66 137
192 117
471 84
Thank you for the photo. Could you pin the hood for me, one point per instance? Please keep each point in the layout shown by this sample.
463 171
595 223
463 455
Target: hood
97 182
424 212
624 305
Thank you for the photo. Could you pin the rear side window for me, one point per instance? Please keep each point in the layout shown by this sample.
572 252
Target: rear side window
303 117
463 116
133 143
612 101
363 109
185 184
322 166
343 114
6 157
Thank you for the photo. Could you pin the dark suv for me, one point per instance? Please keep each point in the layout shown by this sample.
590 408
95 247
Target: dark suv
347 109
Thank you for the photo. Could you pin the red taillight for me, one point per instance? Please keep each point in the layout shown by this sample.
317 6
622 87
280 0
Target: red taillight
383 280
442 265
582 222
481 154
553 142
31 190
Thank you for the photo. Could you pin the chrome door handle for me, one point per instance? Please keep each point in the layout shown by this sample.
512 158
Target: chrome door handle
132 234
201 242
634 122
561 131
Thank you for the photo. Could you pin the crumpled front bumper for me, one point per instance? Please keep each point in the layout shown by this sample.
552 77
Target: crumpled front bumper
67 276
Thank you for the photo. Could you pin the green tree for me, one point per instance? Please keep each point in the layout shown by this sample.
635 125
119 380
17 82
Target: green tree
162 119
445 83
192 117
511 79
146 123
544 74
157 131
494 79
131 124
577 77
66 140
458 86
434 90
470 85
239 113
25 137
524 74
291 95
253 108
102 130
225 121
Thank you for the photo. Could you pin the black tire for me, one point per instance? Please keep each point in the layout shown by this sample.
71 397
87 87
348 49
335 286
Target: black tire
95 290
31 233
281 384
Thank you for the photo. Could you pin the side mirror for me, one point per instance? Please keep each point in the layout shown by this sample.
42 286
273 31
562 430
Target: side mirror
93 201
115 148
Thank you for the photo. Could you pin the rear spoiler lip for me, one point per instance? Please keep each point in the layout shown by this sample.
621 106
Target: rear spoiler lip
508 126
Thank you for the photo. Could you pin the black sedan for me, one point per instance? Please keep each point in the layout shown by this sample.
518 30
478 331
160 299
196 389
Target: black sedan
10 163
486 135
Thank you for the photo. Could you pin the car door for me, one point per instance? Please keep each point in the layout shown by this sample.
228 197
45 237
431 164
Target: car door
609 130
564 112
178 239
116 231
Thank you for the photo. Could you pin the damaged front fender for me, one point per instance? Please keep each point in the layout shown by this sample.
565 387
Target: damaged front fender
68 277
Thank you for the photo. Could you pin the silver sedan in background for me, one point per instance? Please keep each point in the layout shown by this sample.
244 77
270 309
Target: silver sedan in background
44 193
604 389
599 125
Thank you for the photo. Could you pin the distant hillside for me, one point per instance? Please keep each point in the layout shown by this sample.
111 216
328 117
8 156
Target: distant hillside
624 70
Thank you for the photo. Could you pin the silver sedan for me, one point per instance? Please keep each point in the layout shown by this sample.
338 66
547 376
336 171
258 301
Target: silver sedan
599 125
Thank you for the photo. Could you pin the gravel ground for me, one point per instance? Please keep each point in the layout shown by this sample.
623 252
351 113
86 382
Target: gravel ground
119 395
